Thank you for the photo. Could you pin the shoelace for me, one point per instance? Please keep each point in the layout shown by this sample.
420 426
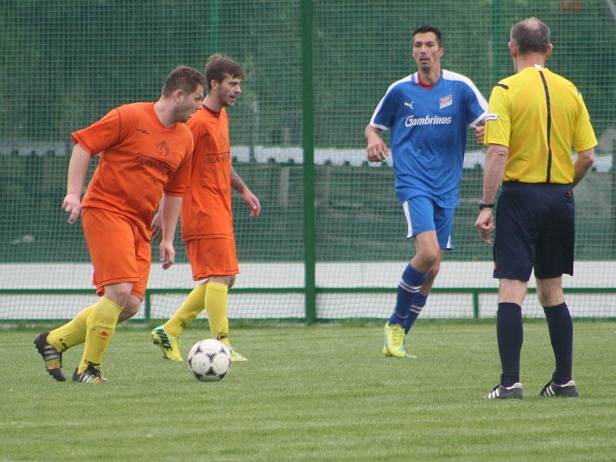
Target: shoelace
398 337
164 340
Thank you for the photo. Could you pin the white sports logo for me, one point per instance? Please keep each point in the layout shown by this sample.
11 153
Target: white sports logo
445 101
412 121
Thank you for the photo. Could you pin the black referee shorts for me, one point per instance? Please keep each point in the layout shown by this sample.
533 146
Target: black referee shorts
535 228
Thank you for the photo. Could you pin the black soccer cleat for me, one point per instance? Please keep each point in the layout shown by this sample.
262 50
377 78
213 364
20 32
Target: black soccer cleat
553 390
51 357
92 374
501 392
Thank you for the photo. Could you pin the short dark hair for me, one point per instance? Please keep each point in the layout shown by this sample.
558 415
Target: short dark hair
218 66
183 78
427 28
531 35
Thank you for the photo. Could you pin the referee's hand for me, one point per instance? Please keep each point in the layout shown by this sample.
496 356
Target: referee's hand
485 225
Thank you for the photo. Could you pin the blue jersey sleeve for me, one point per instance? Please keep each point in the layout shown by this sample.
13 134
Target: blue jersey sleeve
476 104
385 112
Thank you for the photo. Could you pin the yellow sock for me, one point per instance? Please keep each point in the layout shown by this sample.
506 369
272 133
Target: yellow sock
72 333
216 295
100 327
187 312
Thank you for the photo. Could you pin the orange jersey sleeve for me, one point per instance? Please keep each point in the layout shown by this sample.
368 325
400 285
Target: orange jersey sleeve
139 158
207 207
101 134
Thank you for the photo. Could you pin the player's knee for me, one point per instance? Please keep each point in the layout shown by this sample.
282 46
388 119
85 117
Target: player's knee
131 308
512 291
430 257
552 298
119 293
434 269
550 292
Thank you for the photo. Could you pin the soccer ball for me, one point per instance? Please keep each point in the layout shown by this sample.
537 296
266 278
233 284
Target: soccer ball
209 360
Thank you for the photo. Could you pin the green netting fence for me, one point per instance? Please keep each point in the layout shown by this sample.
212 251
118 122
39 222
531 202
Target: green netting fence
330 243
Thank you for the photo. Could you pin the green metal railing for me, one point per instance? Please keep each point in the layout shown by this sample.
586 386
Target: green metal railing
147 302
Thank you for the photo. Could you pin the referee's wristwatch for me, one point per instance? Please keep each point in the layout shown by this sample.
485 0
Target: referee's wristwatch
483 205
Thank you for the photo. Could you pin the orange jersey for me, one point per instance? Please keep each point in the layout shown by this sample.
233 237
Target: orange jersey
206 207
139 159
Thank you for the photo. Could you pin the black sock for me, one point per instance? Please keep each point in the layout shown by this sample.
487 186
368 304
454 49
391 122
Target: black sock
509 333
561 335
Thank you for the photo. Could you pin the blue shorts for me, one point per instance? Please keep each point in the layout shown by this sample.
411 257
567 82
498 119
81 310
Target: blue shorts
535 228
422 214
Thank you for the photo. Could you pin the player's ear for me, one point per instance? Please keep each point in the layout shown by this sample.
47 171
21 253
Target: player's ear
441 52
548 53
177 95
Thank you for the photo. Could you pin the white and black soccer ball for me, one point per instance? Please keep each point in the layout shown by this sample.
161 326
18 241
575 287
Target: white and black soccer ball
209 360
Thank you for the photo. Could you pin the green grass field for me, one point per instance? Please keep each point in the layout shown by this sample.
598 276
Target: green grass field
322 393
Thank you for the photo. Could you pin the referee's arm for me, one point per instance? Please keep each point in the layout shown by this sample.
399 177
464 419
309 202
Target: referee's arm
582 165
493 171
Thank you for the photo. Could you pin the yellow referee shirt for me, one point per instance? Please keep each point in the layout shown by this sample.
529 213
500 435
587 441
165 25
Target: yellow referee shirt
540 116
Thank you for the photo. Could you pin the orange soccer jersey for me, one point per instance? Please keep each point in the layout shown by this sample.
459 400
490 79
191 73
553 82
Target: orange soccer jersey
140 158
206 207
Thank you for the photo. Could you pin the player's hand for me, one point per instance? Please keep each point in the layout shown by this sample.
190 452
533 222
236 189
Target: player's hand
72 205
252 202
479 131
157 230
167 253
377 150
485 225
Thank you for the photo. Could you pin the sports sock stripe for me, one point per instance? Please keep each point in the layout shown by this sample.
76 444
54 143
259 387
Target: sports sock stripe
408 287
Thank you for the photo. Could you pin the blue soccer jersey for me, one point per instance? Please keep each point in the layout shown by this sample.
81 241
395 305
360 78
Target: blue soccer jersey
428 134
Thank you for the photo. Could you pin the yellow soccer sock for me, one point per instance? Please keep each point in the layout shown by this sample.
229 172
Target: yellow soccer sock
72 333
100 328
187 312
216 296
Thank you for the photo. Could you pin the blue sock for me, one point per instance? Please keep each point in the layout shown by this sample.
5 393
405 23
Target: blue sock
410 283
509 333
417 303
561 336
